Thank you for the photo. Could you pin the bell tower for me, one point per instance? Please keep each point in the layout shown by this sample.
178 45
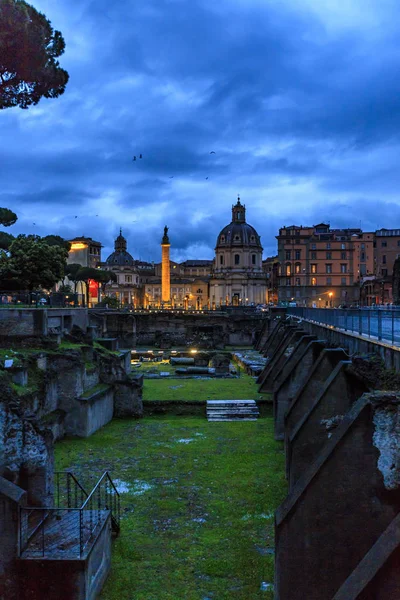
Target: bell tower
165 269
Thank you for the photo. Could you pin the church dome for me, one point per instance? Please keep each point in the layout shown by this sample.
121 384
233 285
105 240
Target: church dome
238 232
120 256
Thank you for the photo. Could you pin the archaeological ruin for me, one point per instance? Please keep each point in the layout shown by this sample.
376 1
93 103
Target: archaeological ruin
336 407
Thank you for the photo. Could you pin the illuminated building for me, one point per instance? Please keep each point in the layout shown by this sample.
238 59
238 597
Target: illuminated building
237 277
165 269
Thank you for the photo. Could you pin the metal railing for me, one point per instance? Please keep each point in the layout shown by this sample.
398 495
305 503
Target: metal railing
66 530
380 324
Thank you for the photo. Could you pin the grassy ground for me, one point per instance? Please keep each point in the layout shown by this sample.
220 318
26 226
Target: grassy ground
241 388
198 506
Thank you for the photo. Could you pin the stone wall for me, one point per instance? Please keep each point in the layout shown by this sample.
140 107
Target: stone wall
337 532
164 330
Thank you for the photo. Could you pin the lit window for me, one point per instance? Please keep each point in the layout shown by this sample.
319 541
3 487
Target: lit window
297 268
313 268
288 269
313 281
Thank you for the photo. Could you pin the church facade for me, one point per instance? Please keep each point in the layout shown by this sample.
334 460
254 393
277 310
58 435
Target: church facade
238 278
234 277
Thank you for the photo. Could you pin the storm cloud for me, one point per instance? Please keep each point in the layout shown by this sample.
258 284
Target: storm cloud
299 100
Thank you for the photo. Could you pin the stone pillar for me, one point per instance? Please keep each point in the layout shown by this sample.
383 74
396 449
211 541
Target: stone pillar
165 269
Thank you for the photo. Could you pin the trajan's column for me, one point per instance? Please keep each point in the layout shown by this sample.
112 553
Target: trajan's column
165 269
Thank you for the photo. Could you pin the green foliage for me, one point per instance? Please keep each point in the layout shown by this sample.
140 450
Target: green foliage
110 302
5 240
29 47
198 507
65 289
32 264
7 216
57 240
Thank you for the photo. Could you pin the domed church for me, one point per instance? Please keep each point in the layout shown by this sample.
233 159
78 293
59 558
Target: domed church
237 276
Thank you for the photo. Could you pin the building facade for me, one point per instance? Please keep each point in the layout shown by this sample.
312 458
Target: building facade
127 288
237 277
318 266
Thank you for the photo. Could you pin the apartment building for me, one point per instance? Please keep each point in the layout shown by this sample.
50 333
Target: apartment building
320 267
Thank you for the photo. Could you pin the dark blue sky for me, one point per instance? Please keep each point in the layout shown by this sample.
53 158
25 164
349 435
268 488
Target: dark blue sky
299 99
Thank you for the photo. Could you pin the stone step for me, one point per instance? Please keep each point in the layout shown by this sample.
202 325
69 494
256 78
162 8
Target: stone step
232 410
214 419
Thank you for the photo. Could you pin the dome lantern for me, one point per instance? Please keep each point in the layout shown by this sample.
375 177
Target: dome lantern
238 212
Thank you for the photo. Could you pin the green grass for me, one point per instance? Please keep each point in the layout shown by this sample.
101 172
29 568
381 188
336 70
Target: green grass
200 390
199 512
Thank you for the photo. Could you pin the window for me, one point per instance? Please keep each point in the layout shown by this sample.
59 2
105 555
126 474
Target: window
328 246
297 232
297 280
362 257
343 255
222 238
313 256
221 259
313 247
344 281
384 259
297 242
297 254
288 269
253 259
288 254
237 259
329 281
344 293
343 246
199 291
343 268
362 246
313 268
363 269
398 242
288 294
236 238
328 268
297 294
128 278
287 281
384 244
297 268
313 281
384 272
329 256
252 238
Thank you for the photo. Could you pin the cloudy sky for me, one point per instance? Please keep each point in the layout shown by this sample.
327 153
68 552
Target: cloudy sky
299 100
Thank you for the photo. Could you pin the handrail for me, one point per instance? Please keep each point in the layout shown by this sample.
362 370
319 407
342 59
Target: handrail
79 520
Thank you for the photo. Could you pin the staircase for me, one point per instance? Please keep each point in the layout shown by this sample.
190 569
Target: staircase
232 410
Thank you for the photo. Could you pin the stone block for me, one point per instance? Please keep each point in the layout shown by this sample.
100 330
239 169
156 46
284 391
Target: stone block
313 385
321 415
295 377
341 505
283 348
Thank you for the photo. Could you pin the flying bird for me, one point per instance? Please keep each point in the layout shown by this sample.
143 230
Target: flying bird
212 152
171 177
206 177
134 158
33 223
76 216
140 156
